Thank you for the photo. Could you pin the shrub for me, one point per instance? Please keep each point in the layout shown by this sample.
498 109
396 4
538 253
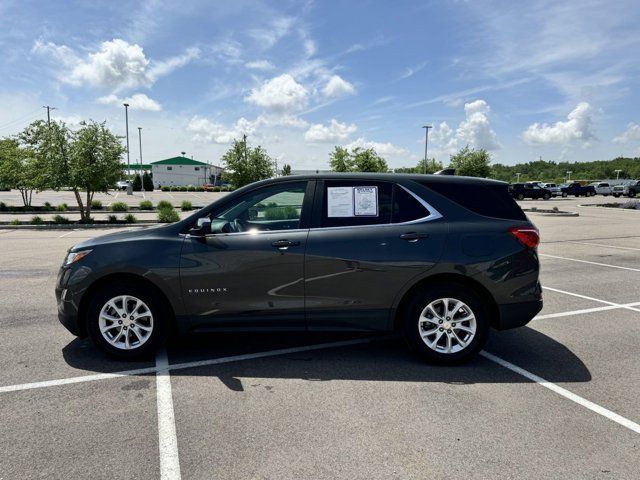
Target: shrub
147 181
163 204
60 219
130 218
63 207
168 215
186 206
216 189
191 188
146 205
112 219
200 189
96 204
137 183
183 189
119 207
165 189
47 207
15 221
37 220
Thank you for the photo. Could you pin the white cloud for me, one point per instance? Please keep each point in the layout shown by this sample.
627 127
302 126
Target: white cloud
383 149
443 140
334 132
260 65
411 71
280 94
137 101
578 127
268 37
475 129
337 87
631 134
207 131
116 65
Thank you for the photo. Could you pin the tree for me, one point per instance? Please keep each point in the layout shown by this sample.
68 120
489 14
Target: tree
136 185
432 167
21 169
471 162
86 161
246 165
358 160
147 181
286 170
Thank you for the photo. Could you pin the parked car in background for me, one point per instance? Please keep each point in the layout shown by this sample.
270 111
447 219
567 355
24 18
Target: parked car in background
554 188
602 188
122 184
629 189
528 190
579 190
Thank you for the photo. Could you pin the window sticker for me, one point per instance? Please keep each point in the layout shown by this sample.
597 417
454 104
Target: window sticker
340 202
365 201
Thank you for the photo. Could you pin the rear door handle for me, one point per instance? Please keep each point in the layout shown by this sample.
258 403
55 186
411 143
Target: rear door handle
284 244
413 236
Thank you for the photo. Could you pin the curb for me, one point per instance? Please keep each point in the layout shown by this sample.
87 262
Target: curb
71 226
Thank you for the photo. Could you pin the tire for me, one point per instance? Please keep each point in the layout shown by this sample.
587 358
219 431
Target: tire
564 194
520 196
429 301
616 195
546 196
151 314
631 194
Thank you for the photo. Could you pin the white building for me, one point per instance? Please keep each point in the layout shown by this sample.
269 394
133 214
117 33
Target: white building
183 171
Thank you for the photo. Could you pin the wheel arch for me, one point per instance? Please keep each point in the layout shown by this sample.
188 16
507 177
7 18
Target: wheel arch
449 278
120 277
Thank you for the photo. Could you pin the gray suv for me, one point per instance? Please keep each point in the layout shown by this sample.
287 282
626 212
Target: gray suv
439 259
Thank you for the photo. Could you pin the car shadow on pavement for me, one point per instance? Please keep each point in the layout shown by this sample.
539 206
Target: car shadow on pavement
385 359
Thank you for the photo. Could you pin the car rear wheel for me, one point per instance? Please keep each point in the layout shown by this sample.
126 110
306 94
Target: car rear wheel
546 196
564 194
446 324
520 196
127 321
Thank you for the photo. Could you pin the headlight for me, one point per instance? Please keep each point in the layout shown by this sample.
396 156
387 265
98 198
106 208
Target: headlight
73 257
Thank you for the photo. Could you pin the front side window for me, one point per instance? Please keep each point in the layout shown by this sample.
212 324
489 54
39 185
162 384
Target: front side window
276 207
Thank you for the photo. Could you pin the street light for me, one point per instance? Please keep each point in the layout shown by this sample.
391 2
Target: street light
518 179
140 141
617 174
126 121
426 144
569 172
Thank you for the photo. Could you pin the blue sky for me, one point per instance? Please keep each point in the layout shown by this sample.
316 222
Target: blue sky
522 79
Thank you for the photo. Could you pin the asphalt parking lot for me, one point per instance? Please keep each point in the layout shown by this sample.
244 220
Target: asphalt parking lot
556 399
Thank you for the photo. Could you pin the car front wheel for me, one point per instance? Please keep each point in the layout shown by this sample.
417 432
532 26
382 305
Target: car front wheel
127 321
546 196
446 324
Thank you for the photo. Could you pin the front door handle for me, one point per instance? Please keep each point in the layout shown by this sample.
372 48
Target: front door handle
284 244
413 236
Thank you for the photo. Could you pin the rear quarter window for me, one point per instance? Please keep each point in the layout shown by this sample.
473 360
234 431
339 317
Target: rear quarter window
486 200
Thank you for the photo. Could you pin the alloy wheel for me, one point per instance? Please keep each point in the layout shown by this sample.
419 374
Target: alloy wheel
447 325
125 322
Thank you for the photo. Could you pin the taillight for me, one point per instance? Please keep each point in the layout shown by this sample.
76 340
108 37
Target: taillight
528 236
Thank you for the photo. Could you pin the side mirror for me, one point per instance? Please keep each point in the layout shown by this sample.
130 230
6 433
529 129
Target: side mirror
202 228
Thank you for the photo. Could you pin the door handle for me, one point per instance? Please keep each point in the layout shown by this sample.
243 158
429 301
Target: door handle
284 244
413 236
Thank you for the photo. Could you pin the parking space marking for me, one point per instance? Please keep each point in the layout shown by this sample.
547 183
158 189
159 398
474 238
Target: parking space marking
65 234
585 310
594 407
578 295
167 437
590 263
185 365
606 246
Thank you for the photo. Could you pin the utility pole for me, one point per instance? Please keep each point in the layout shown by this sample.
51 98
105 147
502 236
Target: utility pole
49 108
126 123
518 179
244 140
617 174
569 172
426 145
140 141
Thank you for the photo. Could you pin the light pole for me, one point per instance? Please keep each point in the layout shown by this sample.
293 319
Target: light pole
426 145
569 172
617 174
140 141
518 177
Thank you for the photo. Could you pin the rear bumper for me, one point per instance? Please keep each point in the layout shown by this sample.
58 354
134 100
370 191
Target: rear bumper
515 315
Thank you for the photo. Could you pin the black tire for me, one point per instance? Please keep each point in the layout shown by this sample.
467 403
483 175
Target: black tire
157 306
409 323
520 196
616 195
632 194
546 196
564 194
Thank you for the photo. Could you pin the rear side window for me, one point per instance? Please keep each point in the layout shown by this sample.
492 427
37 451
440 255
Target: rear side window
405 207
356 202
486 200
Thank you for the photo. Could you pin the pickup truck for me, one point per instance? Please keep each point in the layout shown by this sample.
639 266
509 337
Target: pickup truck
578 190
525 190
602 188
554 188
629 189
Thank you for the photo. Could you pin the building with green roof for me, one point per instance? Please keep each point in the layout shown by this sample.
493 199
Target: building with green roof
183 171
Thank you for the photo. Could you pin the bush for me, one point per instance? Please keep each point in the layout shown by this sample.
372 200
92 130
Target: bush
146 205
63 207
165 189
186 206
15 221
119 207
216 189
112 219
168 215
183 189
200 189
37 220
47 207
137 183
96 205
162 204
130 218
147 181
60 219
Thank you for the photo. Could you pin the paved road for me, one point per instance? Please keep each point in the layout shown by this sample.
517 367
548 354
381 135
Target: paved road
362 410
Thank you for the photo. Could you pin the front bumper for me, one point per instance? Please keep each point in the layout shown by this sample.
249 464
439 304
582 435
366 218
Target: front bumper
514 315
67 304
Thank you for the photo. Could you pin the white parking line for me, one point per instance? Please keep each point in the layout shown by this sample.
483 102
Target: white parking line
65 234
594 407
585 310
598 300
181 366
606 246
167 438
590 263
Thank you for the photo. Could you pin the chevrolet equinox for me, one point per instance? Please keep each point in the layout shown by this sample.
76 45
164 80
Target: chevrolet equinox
440 259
